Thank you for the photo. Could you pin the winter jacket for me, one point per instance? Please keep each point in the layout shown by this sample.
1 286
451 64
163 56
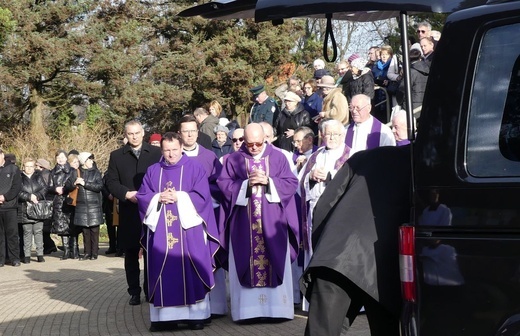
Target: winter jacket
313 104
362 84
10 184
207 126
89 204
61 212
419 72
335 106
30 185
290 120
226 148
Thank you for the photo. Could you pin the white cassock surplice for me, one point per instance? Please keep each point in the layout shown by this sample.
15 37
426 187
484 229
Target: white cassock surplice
326 158
361 132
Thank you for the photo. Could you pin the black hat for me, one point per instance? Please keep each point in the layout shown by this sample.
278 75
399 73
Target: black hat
320 73
257 90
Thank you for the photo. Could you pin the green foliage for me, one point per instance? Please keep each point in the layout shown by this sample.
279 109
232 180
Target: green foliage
7 24
61 121
94 115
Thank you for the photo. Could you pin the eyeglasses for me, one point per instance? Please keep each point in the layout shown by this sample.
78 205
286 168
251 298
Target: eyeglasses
357 108
253 144
420 31
332 135
189 131
238 139
295 142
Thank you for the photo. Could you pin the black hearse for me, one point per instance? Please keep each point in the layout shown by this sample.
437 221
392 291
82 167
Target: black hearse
460 255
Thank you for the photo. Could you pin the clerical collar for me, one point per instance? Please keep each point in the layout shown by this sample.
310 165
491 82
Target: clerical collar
192 152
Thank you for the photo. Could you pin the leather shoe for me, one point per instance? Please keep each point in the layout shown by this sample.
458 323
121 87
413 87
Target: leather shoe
135 300
41 259
110 251
26 260
16 263
86 257
1 264
94 257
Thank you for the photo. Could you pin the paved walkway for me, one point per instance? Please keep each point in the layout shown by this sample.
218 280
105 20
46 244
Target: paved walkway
72 297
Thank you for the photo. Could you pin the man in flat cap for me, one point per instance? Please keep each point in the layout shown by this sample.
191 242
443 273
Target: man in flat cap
265 108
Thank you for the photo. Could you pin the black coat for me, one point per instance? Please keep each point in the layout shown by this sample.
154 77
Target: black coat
125 173
356 220
290 120
61 211
89 202
419 72
30 185
363 84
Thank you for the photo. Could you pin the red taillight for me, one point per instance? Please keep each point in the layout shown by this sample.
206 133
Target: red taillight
407 262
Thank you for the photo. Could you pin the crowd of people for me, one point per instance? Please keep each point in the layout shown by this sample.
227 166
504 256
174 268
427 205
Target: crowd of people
211 201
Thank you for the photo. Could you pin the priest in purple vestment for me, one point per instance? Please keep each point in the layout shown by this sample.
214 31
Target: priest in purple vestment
187 129
400 127
180 237
365 131
261 228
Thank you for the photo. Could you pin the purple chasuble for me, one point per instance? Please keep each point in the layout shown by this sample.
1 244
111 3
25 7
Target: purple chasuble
278 221
402 142
180 261
310 164
373 139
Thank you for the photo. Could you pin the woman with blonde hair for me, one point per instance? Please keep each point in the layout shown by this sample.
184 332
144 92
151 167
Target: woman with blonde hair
215 108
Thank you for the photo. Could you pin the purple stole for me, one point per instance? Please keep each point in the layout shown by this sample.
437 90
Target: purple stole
310 164
402 142
373 138
260 268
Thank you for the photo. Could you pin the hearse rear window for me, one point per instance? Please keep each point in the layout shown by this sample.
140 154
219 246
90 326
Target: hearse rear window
494 119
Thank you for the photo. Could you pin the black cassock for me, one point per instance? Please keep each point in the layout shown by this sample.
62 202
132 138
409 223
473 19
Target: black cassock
355 225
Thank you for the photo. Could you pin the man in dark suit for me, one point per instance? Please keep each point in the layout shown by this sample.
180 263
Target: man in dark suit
126 169
355 241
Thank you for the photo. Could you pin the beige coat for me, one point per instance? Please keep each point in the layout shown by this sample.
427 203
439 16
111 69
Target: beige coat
335 106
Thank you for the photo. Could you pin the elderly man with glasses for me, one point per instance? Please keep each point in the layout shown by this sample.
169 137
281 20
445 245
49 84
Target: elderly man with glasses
365 131
261 228
320 169
303 141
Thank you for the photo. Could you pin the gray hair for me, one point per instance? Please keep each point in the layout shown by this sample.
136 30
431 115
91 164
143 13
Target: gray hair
425 24
319 62
330 122
307 131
